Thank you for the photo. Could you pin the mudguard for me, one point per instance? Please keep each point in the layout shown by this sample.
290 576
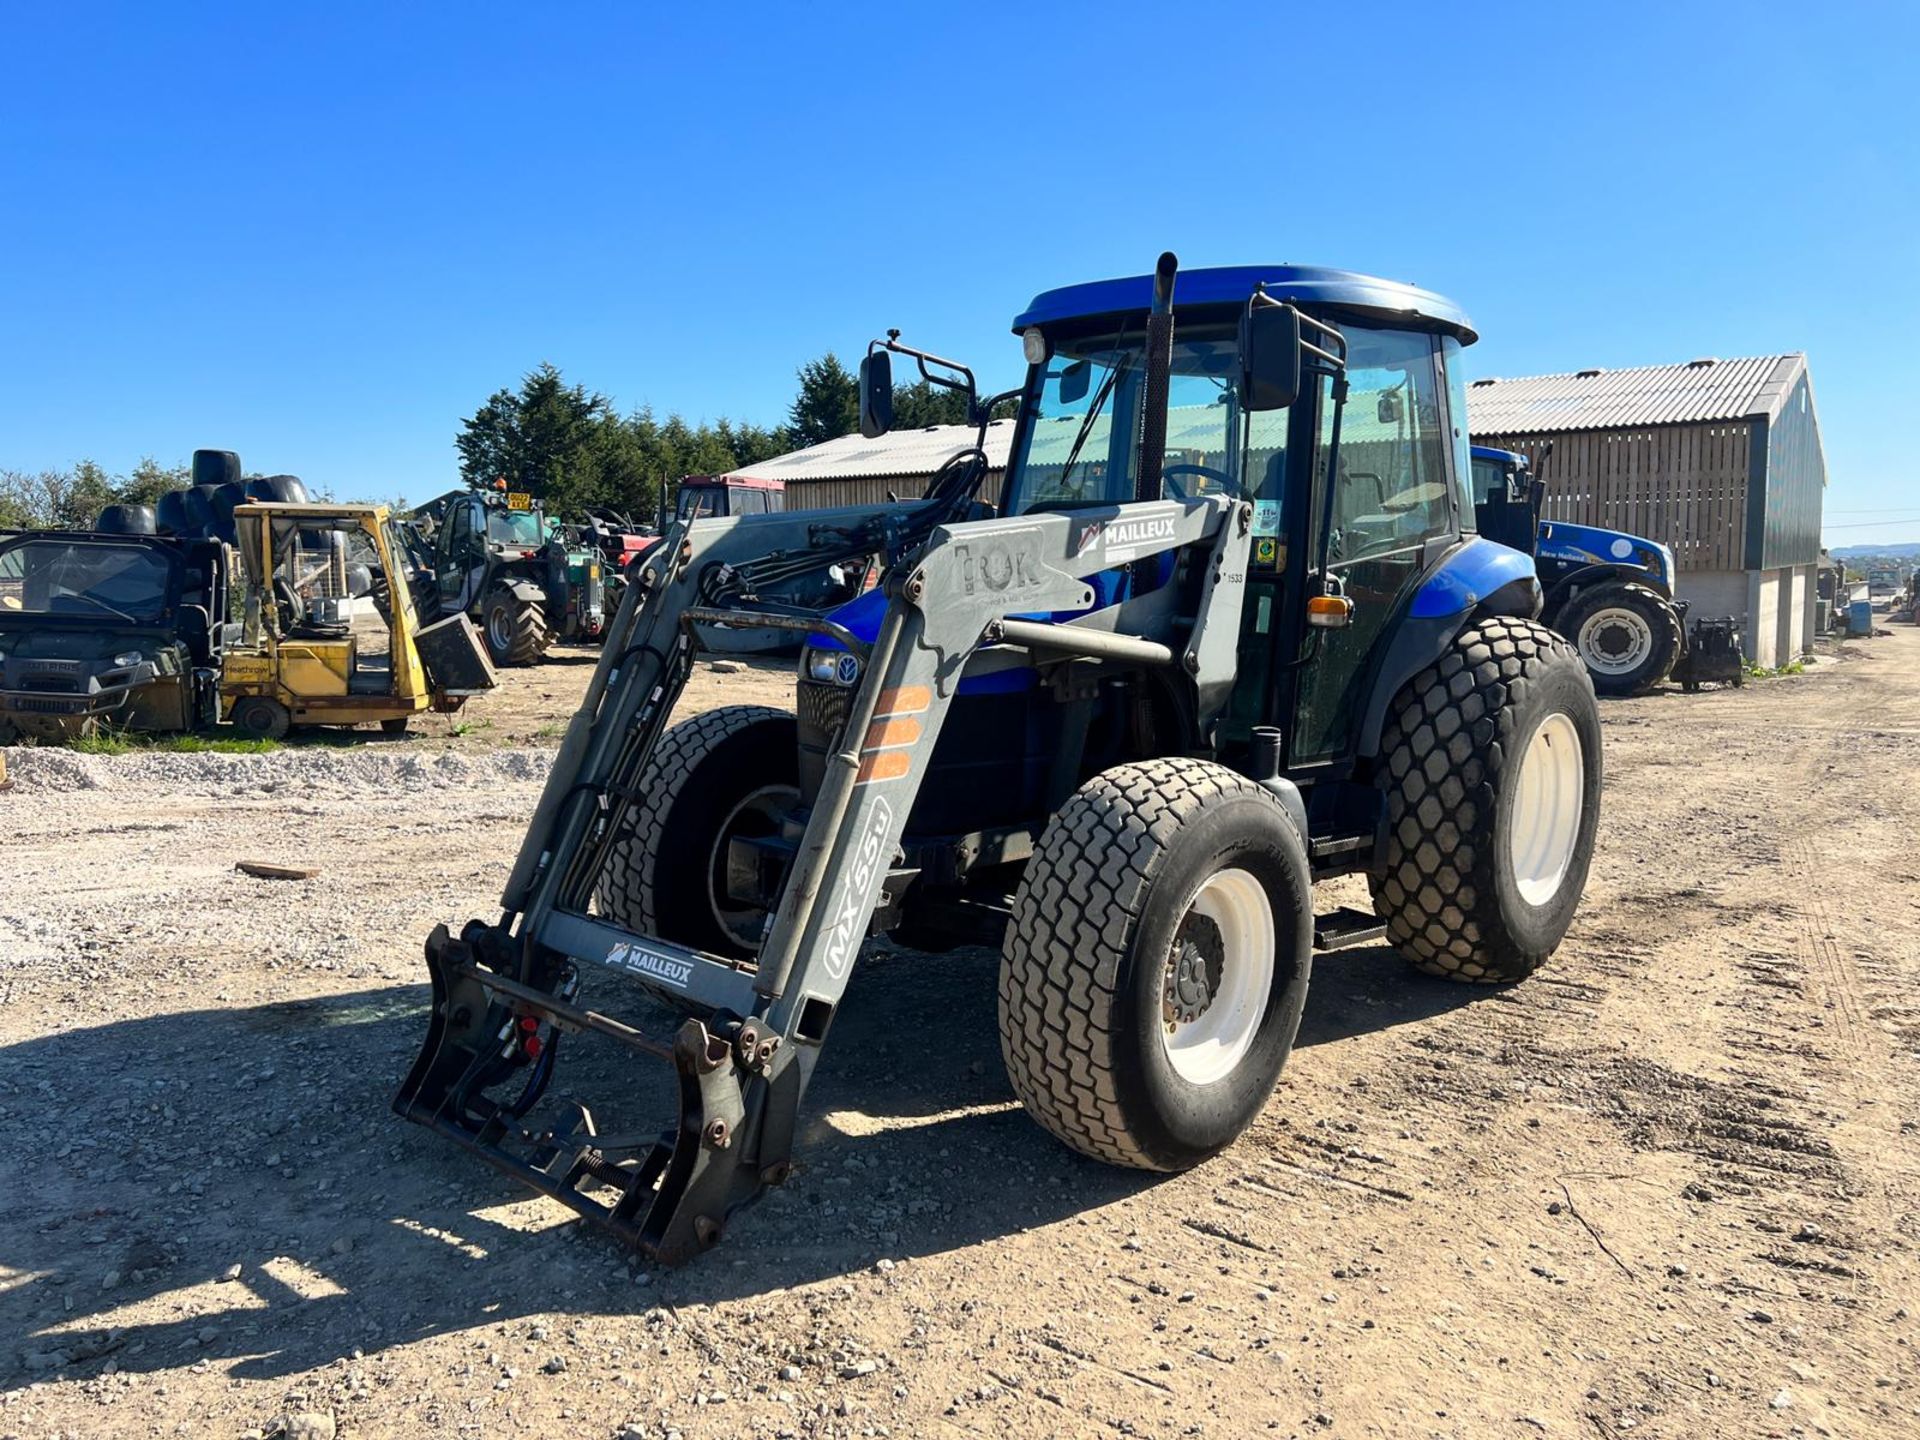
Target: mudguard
1564 587
528 592
1477 577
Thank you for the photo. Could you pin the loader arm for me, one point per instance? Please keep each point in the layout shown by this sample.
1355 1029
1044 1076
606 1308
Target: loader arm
744 1067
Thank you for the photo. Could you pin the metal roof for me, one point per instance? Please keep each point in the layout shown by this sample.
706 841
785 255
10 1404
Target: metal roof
1689 393
1233 284
902 452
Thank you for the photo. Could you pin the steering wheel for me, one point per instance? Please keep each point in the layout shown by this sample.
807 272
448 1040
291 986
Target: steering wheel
1179 493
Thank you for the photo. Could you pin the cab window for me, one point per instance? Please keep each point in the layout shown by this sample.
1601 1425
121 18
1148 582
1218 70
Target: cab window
1395 486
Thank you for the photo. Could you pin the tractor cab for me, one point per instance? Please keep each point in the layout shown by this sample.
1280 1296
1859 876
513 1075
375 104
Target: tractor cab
1331 407
1507 497
709 497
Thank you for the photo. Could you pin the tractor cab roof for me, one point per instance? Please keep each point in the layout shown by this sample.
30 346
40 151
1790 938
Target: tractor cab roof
1308 285
1504 457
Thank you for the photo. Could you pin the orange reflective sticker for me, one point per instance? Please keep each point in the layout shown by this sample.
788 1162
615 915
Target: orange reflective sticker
907 700
883 734
885 765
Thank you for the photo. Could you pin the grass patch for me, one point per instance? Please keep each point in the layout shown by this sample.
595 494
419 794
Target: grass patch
123 742
1761 672
101 742
212 745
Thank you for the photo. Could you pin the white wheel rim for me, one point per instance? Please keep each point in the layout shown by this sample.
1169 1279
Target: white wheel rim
1616 640
1209 1045
1545 822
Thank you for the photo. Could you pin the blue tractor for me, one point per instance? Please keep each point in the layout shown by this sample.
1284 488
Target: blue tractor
1228 631
1608 592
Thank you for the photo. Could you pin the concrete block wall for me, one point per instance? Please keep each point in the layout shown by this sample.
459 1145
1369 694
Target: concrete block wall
1774 607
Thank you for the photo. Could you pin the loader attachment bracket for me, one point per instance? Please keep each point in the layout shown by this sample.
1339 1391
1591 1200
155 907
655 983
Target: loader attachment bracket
668 1194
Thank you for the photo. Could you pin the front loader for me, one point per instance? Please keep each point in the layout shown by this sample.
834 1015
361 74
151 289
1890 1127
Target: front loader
1211 652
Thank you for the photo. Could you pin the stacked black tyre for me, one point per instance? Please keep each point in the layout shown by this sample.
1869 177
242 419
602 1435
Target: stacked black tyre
516 629
1108 916
1491 767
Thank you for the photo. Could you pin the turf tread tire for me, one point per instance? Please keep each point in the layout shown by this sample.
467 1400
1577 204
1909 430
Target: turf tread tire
1444 754
1079 905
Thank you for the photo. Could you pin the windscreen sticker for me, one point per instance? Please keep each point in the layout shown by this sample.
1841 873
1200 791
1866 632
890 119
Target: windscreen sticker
1266 517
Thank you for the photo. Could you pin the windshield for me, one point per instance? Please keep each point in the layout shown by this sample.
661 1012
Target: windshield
1488 476
698 502
1082 445
57 577
514 527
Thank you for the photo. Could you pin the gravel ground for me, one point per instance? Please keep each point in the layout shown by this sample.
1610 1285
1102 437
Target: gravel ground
1666 1187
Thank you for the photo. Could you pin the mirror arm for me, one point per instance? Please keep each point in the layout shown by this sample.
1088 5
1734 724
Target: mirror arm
960 379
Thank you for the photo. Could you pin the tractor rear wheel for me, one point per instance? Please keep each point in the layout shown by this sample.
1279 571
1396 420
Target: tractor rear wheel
1627 635
516 629
1491 766
1152 978
730 773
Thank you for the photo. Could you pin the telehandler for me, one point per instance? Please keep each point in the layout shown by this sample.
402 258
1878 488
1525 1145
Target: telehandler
1118 730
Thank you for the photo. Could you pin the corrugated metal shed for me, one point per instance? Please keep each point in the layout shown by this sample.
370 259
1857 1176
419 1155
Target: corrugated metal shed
1755 387
900 454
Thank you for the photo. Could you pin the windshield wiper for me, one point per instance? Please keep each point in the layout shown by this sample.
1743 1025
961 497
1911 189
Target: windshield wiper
1093 414
96 600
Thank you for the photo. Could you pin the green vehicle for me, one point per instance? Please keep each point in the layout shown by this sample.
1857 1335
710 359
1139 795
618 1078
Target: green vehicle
494 557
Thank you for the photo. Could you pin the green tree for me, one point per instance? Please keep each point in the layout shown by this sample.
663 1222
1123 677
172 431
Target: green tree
919 405
828 405
150 480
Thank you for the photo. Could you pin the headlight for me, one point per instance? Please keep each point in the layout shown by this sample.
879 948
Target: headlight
132 657
830 667
1033 344
1666 559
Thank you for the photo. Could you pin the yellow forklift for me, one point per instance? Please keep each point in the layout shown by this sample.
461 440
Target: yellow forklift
309 652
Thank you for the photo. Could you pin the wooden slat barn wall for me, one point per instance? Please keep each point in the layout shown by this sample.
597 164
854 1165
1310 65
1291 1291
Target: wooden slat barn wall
872 490
1683 485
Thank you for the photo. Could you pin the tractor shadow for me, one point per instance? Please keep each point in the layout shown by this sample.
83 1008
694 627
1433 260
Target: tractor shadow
155 1155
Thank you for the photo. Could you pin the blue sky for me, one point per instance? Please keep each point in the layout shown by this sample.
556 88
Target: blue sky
322 235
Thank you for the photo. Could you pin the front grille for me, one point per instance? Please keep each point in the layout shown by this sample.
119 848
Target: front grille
821 710
30 705
52 684
821 713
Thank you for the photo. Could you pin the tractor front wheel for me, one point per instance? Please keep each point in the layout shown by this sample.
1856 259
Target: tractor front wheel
732 773
1152 979
516 629
1491 766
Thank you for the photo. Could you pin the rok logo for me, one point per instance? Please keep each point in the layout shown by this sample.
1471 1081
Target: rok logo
856 896
639 960
1125 539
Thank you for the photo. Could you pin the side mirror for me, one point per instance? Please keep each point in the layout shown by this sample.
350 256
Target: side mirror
1269 357
1074 381
876 394
1387 408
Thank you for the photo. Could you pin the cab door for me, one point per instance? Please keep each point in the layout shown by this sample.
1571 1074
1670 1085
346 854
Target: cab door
454 557
1396 499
